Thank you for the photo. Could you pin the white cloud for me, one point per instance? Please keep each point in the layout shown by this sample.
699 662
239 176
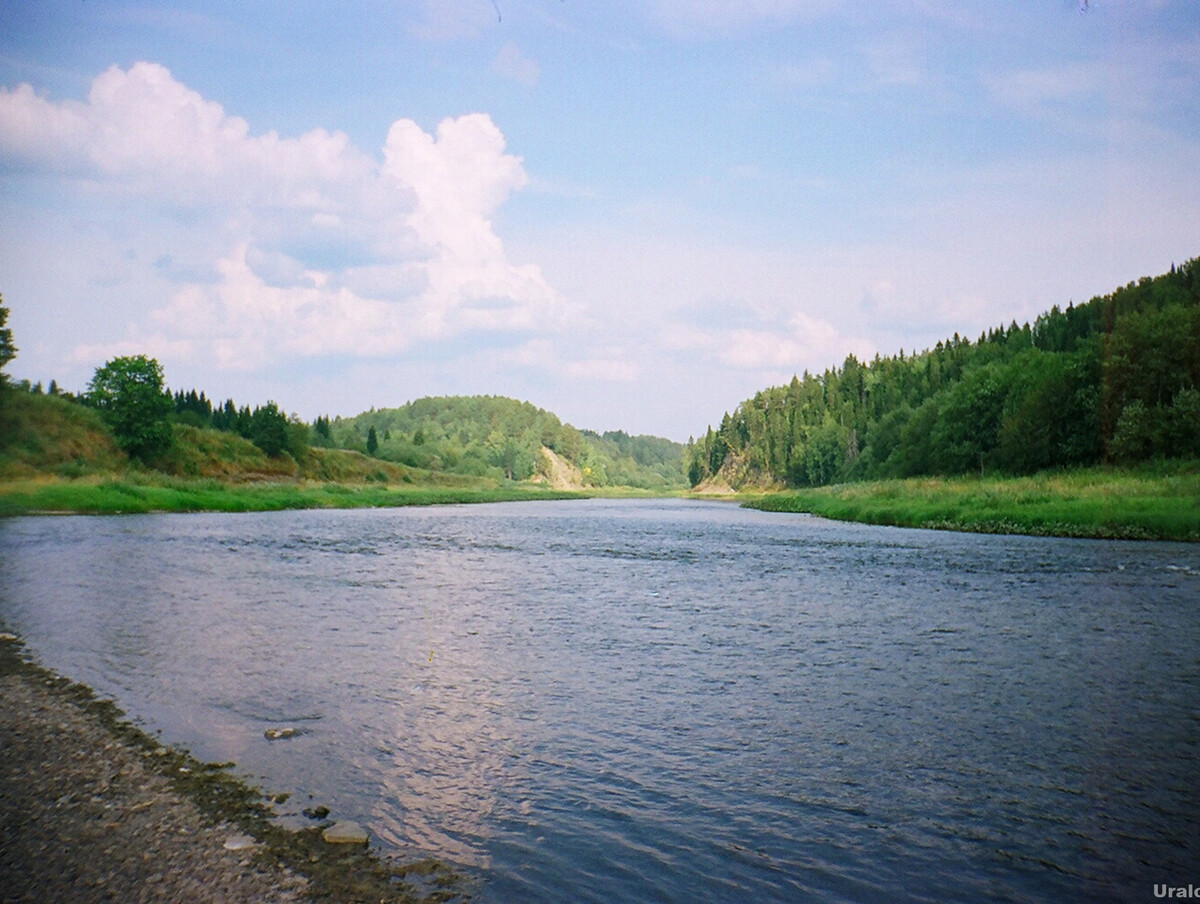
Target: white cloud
140 128
512 64
459 179
324 251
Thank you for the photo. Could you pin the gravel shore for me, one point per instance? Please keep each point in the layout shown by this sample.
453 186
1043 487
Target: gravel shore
84 818
94 810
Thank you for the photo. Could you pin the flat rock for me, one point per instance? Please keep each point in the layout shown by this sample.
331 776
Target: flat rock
240 843
345 832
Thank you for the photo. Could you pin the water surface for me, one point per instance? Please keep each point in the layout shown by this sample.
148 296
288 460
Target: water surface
661 700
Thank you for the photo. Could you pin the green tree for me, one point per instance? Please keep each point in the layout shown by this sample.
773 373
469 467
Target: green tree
269 429
132 401
372 442
8 351
321 432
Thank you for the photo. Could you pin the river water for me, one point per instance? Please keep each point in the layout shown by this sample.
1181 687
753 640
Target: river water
627 701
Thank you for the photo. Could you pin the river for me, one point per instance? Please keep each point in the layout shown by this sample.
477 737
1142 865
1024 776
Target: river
660 700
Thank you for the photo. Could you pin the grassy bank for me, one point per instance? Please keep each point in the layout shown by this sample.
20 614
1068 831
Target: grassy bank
1154 503
132 493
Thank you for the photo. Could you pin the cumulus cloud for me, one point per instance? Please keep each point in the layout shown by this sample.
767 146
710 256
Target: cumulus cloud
144 128
325 250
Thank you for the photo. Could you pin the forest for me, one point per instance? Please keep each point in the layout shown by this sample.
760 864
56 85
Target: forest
1115 380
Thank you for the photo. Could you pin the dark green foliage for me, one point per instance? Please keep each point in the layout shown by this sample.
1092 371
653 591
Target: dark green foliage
269 429
8 351
372 442
193 408
1117 378
130 396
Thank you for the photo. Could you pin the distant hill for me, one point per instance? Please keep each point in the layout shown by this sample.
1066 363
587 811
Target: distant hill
1116 379
502 437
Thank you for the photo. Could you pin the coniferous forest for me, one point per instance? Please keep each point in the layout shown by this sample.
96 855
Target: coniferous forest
1115 380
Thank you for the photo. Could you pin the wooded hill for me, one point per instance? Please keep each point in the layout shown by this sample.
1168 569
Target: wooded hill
496 436
1114 380
442 442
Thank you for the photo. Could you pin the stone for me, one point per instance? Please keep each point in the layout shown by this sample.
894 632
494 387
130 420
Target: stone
345 832
240 843
274 734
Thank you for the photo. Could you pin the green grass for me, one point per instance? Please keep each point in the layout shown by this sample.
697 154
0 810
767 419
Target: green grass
152 493
1153 503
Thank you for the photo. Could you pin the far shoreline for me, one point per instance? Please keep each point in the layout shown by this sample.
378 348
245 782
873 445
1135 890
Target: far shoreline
1151 503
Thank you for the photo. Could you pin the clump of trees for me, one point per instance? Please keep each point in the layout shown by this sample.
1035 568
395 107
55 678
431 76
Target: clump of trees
1114 380
265 426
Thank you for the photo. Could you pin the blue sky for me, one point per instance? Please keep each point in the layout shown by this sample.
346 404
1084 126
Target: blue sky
632 214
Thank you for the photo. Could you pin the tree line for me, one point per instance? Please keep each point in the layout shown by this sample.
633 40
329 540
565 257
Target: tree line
1116 379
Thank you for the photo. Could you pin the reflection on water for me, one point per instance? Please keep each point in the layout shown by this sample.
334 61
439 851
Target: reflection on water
628 701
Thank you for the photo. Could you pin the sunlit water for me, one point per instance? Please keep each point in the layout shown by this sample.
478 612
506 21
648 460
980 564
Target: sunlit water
661 701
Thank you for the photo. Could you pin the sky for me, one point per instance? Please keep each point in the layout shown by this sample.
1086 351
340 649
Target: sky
634 215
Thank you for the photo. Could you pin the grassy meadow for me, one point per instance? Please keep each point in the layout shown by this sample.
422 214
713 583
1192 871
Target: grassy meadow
1156 502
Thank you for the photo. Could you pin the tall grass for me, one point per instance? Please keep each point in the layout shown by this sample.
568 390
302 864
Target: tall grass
1157 502
44 434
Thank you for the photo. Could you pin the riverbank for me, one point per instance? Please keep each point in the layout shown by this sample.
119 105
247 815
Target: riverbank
93 809
113 495
1156 503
